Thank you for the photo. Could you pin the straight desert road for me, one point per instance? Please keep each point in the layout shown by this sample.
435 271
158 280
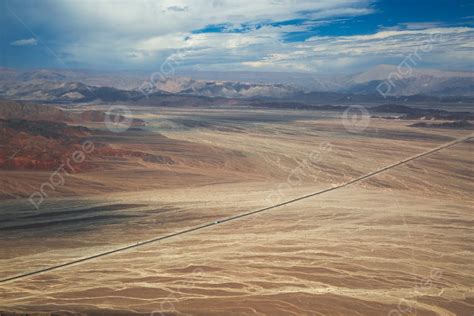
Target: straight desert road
232 218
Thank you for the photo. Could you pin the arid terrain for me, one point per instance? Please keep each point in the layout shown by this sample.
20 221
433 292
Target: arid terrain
237 158
396 243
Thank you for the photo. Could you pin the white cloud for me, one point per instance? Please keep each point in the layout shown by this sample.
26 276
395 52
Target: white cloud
25 42
263 49
143 17
156 26
144 33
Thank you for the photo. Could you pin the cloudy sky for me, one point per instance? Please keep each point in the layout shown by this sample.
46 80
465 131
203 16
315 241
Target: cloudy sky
320 36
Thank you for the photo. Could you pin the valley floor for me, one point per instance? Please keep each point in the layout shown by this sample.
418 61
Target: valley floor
398 243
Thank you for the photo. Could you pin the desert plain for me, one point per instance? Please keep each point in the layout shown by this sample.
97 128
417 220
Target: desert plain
397 243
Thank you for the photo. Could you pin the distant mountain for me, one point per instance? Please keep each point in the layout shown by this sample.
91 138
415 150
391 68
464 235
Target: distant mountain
227 89
388 79
395 81
382 72
406 81
66 86
122 80
57 91
303 81
41 74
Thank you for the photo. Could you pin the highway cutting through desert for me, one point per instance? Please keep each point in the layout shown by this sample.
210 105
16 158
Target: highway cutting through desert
232 218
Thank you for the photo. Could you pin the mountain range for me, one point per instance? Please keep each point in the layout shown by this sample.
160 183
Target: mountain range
381 83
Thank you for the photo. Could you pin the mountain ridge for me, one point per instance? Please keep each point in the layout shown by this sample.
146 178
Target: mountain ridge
383 80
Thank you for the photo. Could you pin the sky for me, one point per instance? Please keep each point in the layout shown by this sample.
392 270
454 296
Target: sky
315 36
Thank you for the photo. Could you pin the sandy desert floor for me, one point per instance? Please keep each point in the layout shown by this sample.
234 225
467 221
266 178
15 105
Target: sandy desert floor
398 243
